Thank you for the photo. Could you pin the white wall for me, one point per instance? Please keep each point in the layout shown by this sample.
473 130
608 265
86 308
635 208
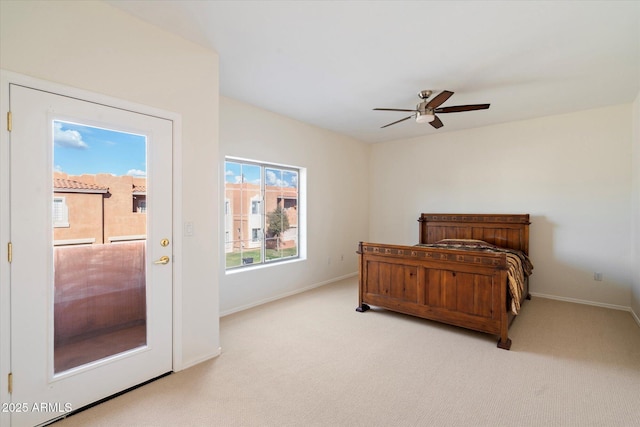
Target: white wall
337 202
571 172
93 46
635 294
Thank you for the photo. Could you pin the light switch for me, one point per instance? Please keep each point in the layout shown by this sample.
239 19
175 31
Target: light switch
188 228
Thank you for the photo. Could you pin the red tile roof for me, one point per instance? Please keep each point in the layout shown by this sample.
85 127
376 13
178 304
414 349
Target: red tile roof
68 184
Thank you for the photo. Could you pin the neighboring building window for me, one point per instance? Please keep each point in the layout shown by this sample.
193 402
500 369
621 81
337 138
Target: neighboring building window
261 212
140 204
60 212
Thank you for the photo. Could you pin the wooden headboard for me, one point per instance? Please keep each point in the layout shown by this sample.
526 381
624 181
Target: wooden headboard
505 230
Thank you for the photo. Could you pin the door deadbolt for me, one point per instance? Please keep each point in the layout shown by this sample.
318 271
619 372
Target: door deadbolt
164 242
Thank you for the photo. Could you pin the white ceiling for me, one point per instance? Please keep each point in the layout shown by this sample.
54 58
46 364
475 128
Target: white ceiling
328 63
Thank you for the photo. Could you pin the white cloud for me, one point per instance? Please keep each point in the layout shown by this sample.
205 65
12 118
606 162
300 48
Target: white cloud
136 172
272 179
68 138
270 176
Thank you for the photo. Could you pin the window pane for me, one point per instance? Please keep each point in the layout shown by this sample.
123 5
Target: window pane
261 217
99 257
281 211
242 213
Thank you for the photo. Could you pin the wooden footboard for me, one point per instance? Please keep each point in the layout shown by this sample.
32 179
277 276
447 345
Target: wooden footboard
463 289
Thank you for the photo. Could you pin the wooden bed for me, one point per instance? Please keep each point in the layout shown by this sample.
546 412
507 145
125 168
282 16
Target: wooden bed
458 287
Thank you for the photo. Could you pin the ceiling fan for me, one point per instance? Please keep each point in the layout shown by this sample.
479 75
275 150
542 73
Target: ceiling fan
425 111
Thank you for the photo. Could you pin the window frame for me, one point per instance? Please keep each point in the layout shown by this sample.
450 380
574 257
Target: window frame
299 232
63 221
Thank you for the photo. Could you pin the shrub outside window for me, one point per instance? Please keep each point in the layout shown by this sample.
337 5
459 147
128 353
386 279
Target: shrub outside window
261 213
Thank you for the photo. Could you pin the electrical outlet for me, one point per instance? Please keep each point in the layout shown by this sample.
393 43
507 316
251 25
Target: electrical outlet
597 276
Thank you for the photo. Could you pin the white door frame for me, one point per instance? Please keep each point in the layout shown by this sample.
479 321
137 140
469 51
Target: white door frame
8 77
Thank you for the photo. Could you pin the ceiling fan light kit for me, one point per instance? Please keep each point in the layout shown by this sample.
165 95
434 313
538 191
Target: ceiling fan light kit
425 111
425 118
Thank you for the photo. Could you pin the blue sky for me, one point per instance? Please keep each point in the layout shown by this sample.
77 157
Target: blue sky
80 149
234 172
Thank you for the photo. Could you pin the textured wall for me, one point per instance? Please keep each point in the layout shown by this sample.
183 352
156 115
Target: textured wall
571 172
335 200
92 46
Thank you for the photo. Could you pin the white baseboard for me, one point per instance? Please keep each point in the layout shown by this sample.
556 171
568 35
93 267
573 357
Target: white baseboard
635 316
586 302
286 294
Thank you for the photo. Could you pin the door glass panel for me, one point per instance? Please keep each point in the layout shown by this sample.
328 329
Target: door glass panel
99 243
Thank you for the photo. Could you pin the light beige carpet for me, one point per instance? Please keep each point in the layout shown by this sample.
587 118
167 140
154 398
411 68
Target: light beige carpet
312 360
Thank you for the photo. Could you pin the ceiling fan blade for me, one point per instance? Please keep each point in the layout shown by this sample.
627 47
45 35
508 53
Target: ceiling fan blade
394 109
439 99
397 121
436 123
461 108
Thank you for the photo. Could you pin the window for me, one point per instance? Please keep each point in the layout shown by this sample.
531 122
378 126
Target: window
60 212
261 213
140 204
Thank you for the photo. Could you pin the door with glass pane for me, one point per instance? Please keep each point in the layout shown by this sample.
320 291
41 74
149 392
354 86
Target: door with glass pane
91 275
